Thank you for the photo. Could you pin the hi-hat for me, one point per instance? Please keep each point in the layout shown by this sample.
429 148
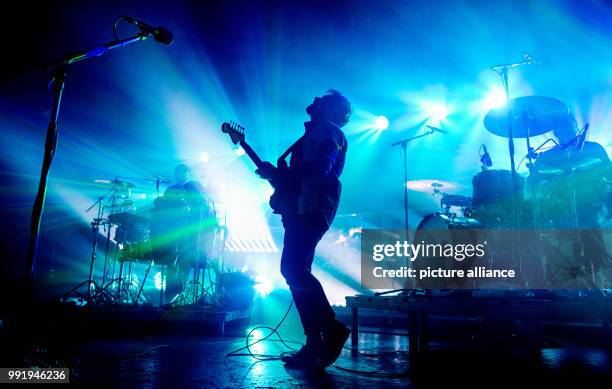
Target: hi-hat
528 116
431 186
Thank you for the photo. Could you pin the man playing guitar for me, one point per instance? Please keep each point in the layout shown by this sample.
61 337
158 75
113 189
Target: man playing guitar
317 161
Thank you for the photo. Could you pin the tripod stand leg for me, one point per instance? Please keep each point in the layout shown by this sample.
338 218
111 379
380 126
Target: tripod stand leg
162 286
75 290
143 281
119 282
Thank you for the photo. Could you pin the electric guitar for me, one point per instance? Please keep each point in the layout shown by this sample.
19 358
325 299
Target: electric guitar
284 199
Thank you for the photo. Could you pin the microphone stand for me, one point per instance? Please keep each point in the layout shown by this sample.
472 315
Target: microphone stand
403 144
58 81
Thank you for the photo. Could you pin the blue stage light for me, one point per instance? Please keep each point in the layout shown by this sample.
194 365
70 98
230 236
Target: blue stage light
494 99
204 156
436 112
263 286
381 123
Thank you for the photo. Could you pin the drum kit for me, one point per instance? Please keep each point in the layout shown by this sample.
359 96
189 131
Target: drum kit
502 200
154 235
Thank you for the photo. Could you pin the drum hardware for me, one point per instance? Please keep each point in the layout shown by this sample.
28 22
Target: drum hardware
524 117
92 285
529 116
131 233
160 180
463 202
115 183
501 121
157 180
433 186
124 188
440 228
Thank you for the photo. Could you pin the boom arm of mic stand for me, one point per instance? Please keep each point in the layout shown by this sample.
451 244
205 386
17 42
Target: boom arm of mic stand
100 50
403 142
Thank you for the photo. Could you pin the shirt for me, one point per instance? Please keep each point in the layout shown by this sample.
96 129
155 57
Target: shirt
317 163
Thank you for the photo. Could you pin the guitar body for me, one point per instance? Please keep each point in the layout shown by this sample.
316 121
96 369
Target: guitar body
284 199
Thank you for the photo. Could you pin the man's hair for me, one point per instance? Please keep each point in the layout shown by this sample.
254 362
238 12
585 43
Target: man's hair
181 169
338 107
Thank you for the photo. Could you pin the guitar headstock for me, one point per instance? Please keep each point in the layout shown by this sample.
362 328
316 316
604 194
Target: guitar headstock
234 130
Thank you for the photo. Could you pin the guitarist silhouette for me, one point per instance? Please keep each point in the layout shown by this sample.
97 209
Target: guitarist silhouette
311 193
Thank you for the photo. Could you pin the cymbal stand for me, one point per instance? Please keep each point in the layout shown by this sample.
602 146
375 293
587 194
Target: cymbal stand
533 174
108 234
502 71
90 282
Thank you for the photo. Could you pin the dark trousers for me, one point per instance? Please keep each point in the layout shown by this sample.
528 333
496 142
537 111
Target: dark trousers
302 234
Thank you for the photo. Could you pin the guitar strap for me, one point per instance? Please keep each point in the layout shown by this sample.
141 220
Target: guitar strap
290 150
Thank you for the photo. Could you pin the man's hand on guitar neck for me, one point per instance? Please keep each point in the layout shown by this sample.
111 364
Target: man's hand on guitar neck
267 171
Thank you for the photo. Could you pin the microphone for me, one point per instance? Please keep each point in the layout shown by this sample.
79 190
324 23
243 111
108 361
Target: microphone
485 158
436 129
160 34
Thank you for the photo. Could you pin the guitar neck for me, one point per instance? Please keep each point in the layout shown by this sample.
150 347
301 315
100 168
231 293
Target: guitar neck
252 154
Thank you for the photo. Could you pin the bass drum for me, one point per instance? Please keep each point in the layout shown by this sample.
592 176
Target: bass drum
434 232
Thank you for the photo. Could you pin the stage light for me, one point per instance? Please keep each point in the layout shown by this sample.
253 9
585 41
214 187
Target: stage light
381 123
204 156
268 191
435 111
239 152
494 99
159 283
263 286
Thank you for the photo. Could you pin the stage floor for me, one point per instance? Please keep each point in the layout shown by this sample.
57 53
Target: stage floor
199 361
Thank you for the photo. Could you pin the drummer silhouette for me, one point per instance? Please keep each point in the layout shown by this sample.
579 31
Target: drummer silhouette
181 223
573 178
576 168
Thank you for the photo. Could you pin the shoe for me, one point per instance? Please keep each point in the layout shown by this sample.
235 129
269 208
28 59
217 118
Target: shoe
334 338
306 356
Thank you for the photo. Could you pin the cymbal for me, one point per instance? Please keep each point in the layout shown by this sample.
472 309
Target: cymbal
148 180
529 116
430 186
117 183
